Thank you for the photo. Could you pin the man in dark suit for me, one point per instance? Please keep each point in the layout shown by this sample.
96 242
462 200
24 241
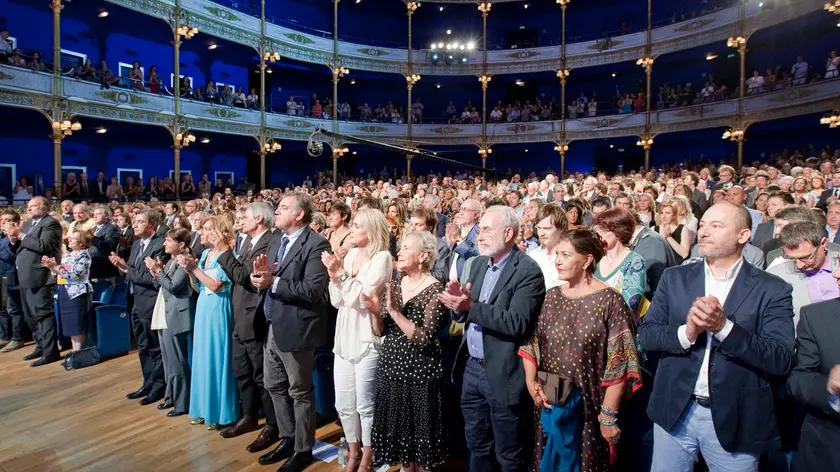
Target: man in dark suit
249 329
831 194
100 187
295 306
126 235
85 187
37 238
722 326
197 219
462 238
106 238
162 228
499 305
816 376
142 303
656 252
433 201
767 230
697 196
11 313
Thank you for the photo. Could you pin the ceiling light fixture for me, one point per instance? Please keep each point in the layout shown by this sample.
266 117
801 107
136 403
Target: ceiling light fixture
212 46
711 56
448 31
613 74
103 14
441 8
354 153
470 46
437 85
352 81
205 140
101 131
611 146
526 7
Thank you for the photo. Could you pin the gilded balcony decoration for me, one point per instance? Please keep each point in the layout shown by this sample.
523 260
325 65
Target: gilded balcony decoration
5 76
221 14
695 25
521 128
373 52
222 113
298 123
693 112
122 98
831 119
604 44
447 130
372 129
298 38
523 54
602 123
793 95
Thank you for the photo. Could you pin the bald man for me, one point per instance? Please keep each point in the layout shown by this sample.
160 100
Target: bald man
736 195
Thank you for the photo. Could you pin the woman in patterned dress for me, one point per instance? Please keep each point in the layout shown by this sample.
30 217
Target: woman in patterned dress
408 423
586 335
620 268
74 290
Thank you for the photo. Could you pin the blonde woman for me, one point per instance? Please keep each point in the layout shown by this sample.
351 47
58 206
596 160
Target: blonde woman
366 271
686 217
817 186
801 194
670 228
646 209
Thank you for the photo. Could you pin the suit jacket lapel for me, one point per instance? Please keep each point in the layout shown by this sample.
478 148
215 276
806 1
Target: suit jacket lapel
741 289
505 276
697 283
477 278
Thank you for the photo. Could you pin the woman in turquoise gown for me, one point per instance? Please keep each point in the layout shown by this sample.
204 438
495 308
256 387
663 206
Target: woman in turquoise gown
213 393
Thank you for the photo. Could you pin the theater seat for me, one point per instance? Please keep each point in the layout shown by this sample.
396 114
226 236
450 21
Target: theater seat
63 341
322 379
120 293
111 330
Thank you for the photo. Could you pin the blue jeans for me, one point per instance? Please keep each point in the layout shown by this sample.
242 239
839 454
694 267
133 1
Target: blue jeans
488 423
677 451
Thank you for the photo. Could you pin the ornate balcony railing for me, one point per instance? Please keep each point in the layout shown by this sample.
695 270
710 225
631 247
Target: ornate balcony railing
26 88
232 25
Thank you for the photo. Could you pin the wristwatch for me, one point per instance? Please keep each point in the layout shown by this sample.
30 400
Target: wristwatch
343 277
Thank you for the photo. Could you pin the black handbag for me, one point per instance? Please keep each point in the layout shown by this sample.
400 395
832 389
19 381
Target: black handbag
556 389
81 359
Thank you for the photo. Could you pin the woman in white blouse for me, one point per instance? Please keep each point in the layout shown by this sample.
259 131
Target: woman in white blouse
367 269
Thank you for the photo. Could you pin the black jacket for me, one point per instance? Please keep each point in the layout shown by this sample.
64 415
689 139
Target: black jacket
44 239
246 324
102 245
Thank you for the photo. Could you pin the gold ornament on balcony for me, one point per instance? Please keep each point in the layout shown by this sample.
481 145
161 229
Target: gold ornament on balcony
831 119
733 134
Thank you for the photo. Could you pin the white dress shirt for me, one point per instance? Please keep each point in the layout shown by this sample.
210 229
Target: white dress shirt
718 288
549 270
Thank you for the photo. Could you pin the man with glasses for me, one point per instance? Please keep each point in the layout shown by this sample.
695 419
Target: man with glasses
462 237
809 262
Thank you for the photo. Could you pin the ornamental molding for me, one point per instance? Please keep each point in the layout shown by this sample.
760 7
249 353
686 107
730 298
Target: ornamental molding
122 97
372 129
5 76
222 113
216 20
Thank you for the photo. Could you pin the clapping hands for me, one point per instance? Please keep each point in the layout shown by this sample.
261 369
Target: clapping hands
706 314
261 277
187 262
456 297
118 262
154 265
333 265
49 262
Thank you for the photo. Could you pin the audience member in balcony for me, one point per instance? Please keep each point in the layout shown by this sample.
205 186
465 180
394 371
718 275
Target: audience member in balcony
187 187
301 110
239 98
22 192
344 110
417 111
16 59
196 94
86 71
593 108
291 106
36 63
253 100
755 84
396 116
366 112
136 76
627 104
229 96
317 110
220 186
152 188
204 186
496 115
799 71
451 111
71 188
115 190
184 87
166 189
832 65
106 76
5 44
721 93
155 81
131 189
211 93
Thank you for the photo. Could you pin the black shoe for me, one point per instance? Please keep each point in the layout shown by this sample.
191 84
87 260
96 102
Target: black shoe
297 462
140 393
36 354
43 361
283 451
149 400
165 405
173 413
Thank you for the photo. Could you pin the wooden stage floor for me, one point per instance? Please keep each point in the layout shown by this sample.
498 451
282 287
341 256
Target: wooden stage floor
53 420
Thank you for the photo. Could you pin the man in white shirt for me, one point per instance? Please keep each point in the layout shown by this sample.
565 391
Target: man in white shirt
291 106
722 327
5 45
755 83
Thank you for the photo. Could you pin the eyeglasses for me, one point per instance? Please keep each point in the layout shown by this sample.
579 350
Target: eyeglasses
804 260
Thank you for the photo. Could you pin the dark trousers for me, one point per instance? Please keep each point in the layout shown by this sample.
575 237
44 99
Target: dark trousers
11 315
488 422
176 367
248 368
288 378
151 359
39 313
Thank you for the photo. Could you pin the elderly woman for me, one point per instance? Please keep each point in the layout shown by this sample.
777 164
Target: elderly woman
71 188
581 361
410 370
74 286
318 223
620 268
366 270
550 220
176 324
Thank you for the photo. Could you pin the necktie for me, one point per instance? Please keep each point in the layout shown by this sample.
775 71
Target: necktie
284 241
837 192
98 227
246 251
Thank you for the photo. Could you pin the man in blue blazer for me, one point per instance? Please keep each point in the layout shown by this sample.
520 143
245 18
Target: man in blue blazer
464 247
722 327
11 313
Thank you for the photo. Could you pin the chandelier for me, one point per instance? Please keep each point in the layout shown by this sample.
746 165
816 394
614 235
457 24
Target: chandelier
645 62
562 146
185 139
733 134
271 56
831 119
833 7
66 127
412 79
271 146
483 152
645 142
736 42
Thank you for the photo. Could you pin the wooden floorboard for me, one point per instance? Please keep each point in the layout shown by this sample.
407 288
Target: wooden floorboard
53 420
